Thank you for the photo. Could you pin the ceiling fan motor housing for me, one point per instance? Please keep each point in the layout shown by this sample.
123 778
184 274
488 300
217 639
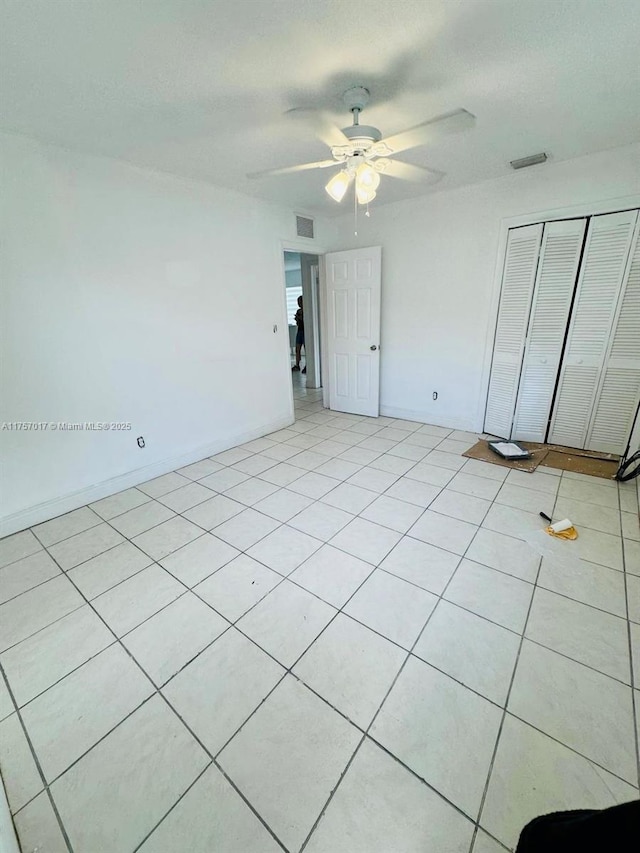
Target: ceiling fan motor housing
362 135
356 98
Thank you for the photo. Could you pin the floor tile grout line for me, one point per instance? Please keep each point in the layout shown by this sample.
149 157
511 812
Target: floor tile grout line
106 551
569 748
579 662
95 597
124 511
53 622
155 692
504 713
307 686
89 601
428 784
31 588
103 737
359 515
635 710
288 671
250 805
213 759
25 556
156 560
97 516
108 522
447 601
187 589
477 821
62 677
149 500
373 719
180 798
285 577
506 705
36 760
579 600
327 803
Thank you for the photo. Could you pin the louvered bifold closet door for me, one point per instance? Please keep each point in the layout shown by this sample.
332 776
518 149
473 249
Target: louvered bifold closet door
619 391
521 260
603 267
555 283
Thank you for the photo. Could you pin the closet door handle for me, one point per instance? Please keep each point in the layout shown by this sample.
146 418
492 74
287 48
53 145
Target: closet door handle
543 361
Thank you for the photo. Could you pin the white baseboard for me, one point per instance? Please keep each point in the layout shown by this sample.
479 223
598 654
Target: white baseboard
65 503
424 417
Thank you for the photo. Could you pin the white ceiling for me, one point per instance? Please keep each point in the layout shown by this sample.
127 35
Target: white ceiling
200 87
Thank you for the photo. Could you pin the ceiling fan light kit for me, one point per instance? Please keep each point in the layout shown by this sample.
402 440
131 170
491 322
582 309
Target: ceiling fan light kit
338 185
364 154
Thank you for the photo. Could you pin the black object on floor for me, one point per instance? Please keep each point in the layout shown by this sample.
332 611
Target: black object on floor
613 830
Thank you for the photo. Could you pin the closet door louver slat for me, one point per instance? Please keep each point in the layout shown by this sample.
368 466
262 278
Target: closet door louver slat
619 392
555 282
599 285
523 246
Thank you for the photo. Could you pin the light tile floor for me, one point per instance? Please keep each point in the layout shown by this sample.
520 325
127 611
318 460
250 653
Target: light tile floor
344 637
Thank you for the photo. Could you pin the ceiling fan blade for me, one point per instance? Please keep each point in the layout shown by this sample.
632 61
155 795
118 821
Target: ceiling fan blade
430 131
288 170
321 123
408 172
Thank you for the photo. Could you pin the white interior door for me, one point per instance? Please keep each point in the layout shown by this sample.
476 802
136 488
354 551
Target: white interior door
521 263
619 391
553 292
596 305
353 333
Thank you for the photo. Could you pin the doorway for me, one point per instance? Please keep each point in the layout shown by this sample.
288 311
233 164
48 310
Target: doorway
302 283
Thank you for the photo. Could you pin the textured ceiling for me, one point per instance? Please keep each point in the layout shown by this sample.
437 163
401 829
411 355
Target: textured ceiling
200 87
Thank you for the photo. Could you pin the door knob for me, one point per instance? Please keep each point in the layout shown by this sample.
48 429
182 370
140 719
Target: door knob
373 347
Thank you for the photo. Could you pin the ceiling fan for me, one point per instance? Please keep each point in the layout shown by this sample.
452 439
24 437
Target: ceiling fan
362 152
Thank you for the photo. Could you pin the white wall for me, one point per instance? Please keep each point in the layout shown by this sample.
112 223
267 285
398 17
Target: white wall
293 278
439 257
131 296
292 270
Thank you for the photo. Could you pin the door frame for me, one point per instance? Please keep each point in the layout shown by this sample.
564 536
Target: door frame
303 247
577 211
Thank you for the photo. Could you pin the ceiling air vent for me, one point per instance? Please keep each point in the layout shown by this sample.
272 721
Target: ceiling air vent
533 160
304 227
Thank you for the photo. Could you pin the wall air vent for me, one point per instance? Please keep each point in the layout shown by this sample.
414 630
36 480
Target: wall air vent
304 227
533 160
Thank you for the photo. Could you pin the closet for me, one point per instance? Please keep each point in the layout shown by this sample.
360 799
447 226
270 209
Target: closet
566 358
